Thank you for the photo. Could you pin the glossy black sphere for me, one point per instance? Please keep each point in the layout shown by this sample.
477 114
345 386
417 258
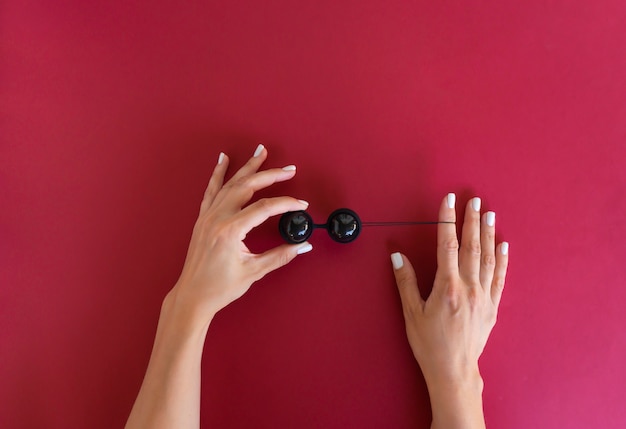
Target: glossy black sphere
344 225
295 227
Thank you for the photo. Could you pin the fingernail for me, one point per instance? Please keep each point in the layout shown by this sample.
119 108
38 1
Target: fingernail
306 203
258 150
304 248
451 200
504 248
476 204
491 218
220 159
396 261
289 168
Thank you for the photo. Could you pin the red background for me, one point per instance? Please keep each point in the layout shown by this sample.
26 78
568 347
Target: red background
112 117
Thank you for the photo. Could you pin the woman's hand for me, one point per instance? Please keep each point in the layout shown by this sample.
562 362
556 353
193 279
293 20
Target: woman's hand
449 330
219 268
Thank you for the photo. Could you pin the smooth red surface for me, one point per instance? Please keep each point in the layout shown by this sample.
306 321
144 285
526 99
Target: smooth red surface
112 117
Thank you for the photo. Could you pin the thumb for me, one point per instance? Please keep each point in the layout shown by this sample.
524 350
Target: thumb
280 256
407 283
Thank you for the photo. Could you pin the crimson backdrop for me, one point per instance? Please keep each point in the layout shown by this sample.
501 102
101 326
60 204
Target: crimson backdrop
112 117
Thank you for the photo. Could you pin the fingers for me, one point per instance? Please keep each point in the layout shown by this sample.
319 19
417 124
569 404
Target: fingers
469 255
258 212
279 257
266 178
407 284
216 181
502 262
217 178
242 186
447 242
253 164
487 249
241 191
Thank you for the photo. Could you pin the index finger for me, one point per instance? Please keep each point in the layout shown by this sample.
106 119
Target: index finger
447 241
241 191
257 213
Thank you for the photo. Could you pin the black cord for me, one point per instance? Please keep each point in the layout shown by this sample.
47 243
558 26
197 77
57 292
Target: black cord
402 223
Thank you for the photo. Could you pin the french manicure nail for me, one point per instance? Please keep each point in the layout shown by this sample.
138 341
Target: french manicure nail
220 159
306 203
258 150
504 248
491 218
476 204
451 200
304 248
396 261
289 168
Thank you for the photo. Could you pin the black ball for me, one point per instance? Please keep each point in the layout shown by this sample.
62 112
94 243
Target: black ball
344 225
295 227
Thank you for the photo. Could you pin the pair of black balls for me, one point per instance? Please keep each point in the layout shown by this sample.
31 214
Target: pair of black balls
343 226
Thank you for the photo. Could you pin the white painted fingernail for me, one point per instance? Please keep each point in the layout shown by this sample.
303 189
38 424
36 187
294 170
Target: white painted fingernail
304 248
504 248
258 150
491 218
396 261
476 204
451 200
289 168
306 203
220 159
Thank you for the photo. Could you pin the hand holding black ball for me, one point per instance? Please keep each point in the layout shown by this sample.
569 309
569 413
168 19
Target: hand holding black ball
343 226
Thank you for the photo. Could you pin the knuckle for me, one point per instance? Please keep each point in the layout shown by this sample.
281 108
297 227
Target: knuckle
210 191
452 298
242 182
473 248
473 298
265 204
488 260
409 310
284 259
403 279
498 282
242 186
450 245
256 272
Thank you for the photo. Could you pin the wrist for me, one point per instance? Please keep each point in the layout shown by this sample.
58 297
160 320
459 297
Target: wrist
456 400
183 315
466 379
